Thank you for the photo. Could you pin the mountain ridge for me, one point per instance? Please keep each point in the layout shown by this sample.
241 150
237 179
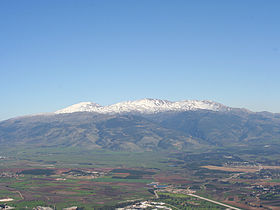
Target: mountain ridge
145 106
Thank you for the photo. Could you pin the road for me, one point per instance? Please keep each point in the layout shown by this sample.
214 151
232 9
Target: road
216 202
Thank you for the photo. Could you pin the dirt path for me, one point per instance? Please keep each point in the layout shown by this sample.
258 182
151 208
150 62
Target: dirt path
155 191
20 195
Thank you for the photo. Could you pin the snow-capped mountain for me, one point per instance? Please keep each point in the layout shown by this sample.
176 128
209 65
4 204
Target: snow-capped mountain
175 128
145 106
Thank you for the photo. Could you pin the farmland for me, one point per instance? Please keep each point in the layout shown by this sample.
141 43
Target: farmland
105 179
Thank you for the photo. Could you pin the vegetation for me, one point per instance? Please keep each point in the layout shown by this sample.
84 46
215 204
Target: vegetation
181 201
26 177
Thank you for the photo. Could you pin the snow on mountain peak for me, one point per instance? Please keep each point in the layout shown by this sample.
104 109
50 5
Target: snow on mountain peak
145 106
80 107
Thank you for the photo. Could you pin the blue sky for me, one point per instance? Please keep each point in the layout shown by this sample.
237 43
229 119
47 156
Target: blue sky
57 53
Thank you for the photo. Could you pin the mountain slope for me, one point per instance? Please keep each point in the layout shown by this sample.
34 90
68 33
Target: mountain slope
222 128
89 130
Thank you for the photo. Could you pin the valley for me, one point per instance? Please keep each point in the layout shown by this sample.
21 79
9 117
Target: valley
102 179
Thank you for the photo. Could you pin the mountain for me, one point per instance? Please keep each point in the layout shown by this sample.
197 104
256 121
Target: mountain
148 124
145 106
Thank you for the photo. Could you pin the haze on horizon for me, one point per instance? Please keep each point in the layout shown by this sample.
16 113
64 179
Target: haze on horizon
55 54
